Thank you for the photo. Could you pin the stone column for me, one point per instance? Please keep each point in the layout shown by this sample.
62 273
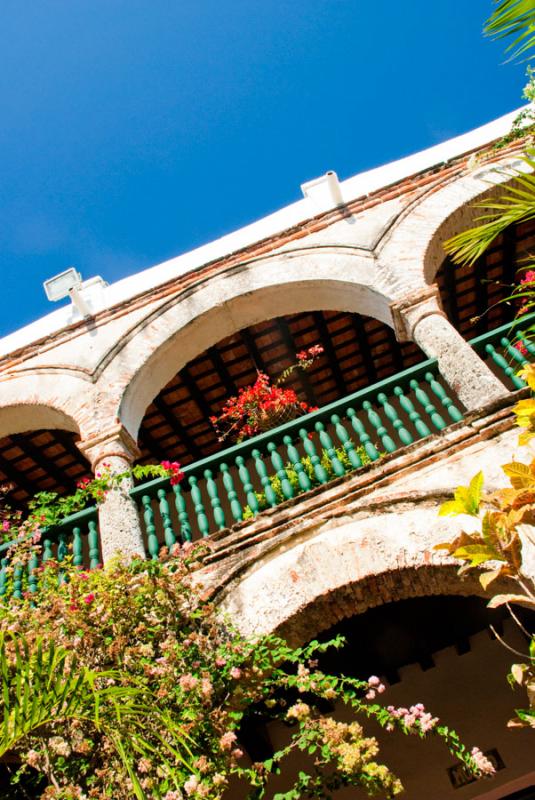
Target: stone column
420 318
114 450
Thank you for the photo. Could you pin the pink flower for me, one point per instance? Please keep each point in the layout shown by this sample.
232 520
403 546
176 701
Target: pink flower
5 525
373 680
191 785
237 753
89 598
484 766
227 740
235 673
220 661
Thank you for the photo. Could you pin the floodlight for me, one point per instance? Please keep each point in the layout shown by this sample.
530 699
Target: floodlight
67 284
61 285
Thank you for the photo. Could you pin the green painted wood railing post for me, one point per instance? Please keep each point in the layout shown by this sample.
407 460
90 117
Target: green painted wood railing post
328 445
200 513
260 466
148 515
77 547
3 576
278 465
512 352
377 422
182 511
33 564
165 513
391 413
235 505
62 546
446 401
427 405
308 445
347 442
248 487
297 464
93 544
17 582
363 435
408 407
500 362
47 549
211 487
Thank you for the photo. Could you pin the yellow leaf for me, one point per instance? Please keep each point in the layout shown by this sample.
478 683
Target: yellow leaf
528 374
487 577
519 474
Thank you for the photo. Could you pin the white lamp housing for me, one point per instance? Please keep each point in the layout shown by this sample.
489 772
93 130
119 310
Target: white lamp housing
61 285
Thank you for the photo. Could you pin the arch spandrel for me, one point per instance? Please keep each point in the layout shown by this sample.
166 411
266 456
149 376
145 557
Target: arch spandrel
225 304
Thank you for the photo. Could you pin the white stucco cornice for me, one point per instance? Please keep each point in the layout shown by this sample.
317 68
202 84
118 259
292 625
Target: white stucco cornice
295 214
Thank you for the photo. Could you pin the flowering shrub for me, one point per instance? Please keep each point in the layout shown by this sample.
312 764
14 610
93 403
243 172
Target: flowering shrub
264 404
180 683
47 509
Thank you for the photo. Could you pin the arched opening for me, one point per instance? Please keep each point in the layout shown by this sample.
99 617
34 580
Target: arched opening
38 452
474 297
439 651
358 351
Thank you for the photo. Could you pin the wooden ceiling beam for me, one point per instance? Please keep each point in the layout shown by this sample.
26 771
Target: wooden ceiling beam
288 340
177 427
42 461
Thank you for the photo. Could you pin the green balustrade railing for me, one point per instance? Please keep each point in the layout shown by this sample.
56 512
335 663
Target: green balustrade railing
240 481
77 536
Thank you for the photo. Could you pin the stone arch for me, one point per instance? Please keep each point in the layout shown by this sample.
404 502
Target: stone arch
344 568
304 280
413 247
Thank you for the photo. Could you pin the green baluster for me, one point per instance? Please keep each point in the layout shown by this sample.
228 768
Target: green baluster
3 576
407 406
182 511
512 351
327 444
278 464
269 491
77 547
33 564
446 401
308 445
211 487
376 421
47 549
427 405
500 362
196 496
148 515
295 460
528 344
235 505
248 487
62 552
347 442
165 513
364 438
391 413
17 582
93 544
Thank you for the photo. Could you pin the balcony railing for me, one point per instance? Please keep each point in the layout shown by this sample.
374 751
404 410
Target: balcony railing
240 481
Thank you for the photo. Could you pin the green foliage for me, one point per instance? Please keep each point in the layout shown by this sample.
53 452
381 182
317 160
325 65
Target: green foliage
152 703
514 18
516 203
466 499
308 466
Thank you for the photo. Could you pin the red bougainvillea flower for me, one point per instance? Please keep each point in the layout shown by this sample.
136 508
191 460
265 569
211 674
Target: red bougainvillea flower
529 277
174 470
521 347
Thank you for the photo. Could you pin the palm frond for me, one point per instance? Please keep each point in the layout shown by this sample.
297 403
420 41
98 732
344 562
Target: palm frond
514 18
515 204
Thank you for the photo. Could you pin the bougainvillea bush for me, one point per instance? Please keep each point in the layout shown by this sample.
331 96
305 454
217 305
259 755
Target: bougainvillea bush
264 404
165 687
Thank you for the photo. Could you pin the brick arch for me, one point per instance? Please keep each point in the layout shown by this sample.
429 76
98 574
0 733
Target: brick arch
414 246
31 402
328 277
345 567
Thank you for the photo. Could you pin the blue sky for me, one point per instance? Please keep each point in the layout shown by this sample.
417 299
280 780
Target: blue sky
134 130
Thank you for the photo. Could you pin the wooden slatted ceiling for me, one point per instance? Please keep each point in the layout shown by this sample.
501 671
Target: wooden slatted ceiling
358 351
